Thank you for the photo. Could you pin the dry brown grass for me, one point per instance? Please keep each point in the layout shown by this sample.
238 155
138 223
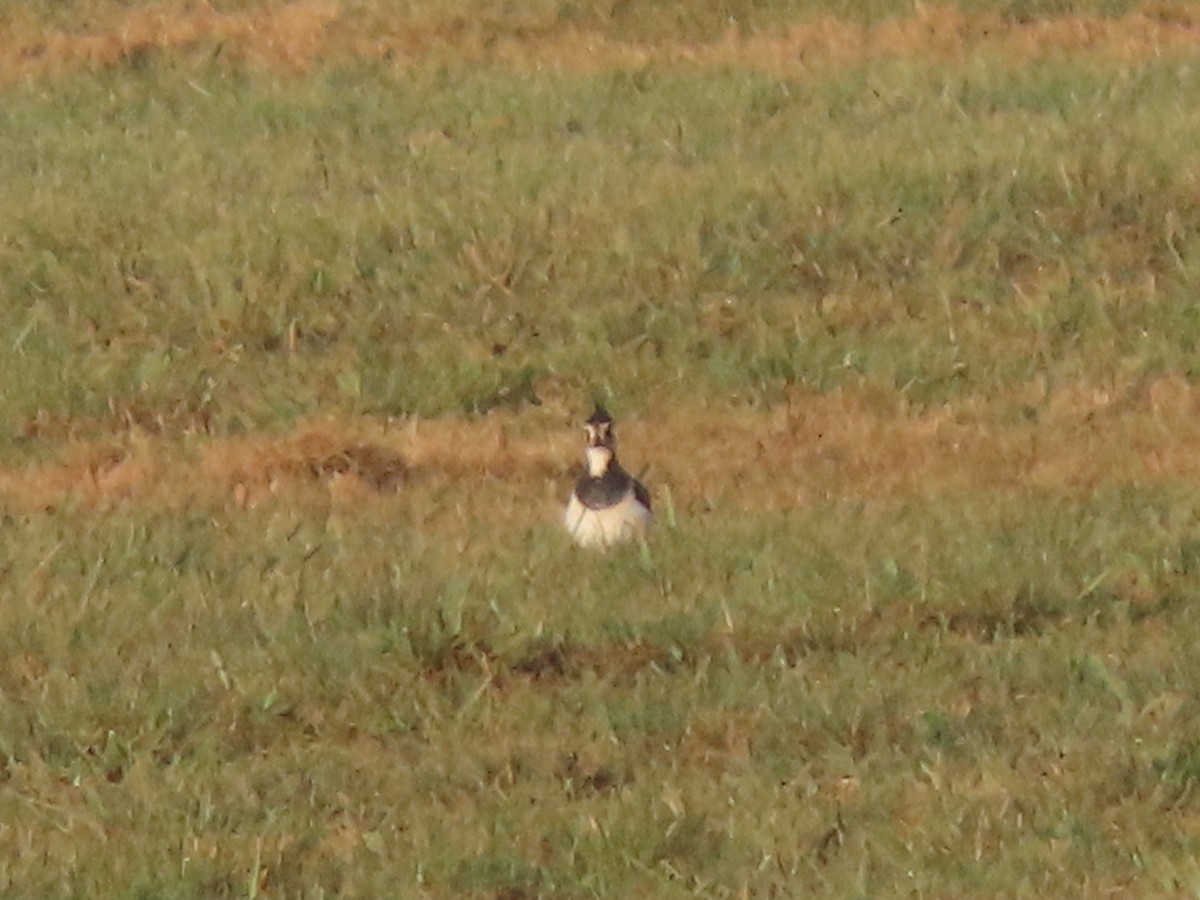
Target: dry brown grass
283 36
293 37
514 467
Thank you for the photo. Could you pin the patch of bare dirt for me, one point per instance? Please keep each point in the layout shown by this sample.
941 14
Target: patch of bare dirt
517 467
296 36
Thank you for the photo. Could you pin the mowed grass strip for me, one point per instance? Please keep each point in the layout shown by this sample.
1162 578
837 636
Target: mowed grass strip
203 250
968 698
49 38
463 478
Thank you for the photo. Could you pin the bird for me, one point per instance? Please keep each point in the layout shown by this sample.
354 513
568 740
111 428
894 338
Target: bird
608 505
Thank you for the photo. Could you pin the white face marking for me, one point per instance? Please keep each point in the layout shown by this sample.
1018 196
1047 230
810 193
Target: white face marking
598 434
598 459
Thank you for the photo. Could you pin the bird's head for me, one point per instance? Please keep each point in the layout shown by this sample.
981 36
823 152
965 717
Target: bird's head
599 428
601 442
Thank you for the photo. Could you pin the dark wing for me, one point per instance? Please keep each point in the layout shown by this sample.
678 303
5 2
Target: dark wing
641 494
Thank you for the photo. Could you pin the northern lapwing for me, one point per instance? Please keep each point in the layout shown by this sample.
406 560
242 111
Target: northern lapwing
608 504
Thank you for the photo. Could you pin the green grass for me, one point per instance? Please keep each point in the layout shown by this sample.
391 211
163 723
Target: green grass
182 242
940 694
1007 685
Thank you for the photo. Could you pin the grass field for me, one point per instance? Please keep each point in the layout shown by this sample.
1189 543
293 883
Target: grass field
896 305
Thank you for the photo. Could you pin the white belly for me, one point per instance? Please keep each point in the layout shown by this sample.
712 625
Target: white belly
611 525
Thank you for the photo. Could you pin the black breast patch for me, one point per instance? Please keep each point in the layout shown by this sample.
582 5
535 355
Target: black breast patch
608 490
